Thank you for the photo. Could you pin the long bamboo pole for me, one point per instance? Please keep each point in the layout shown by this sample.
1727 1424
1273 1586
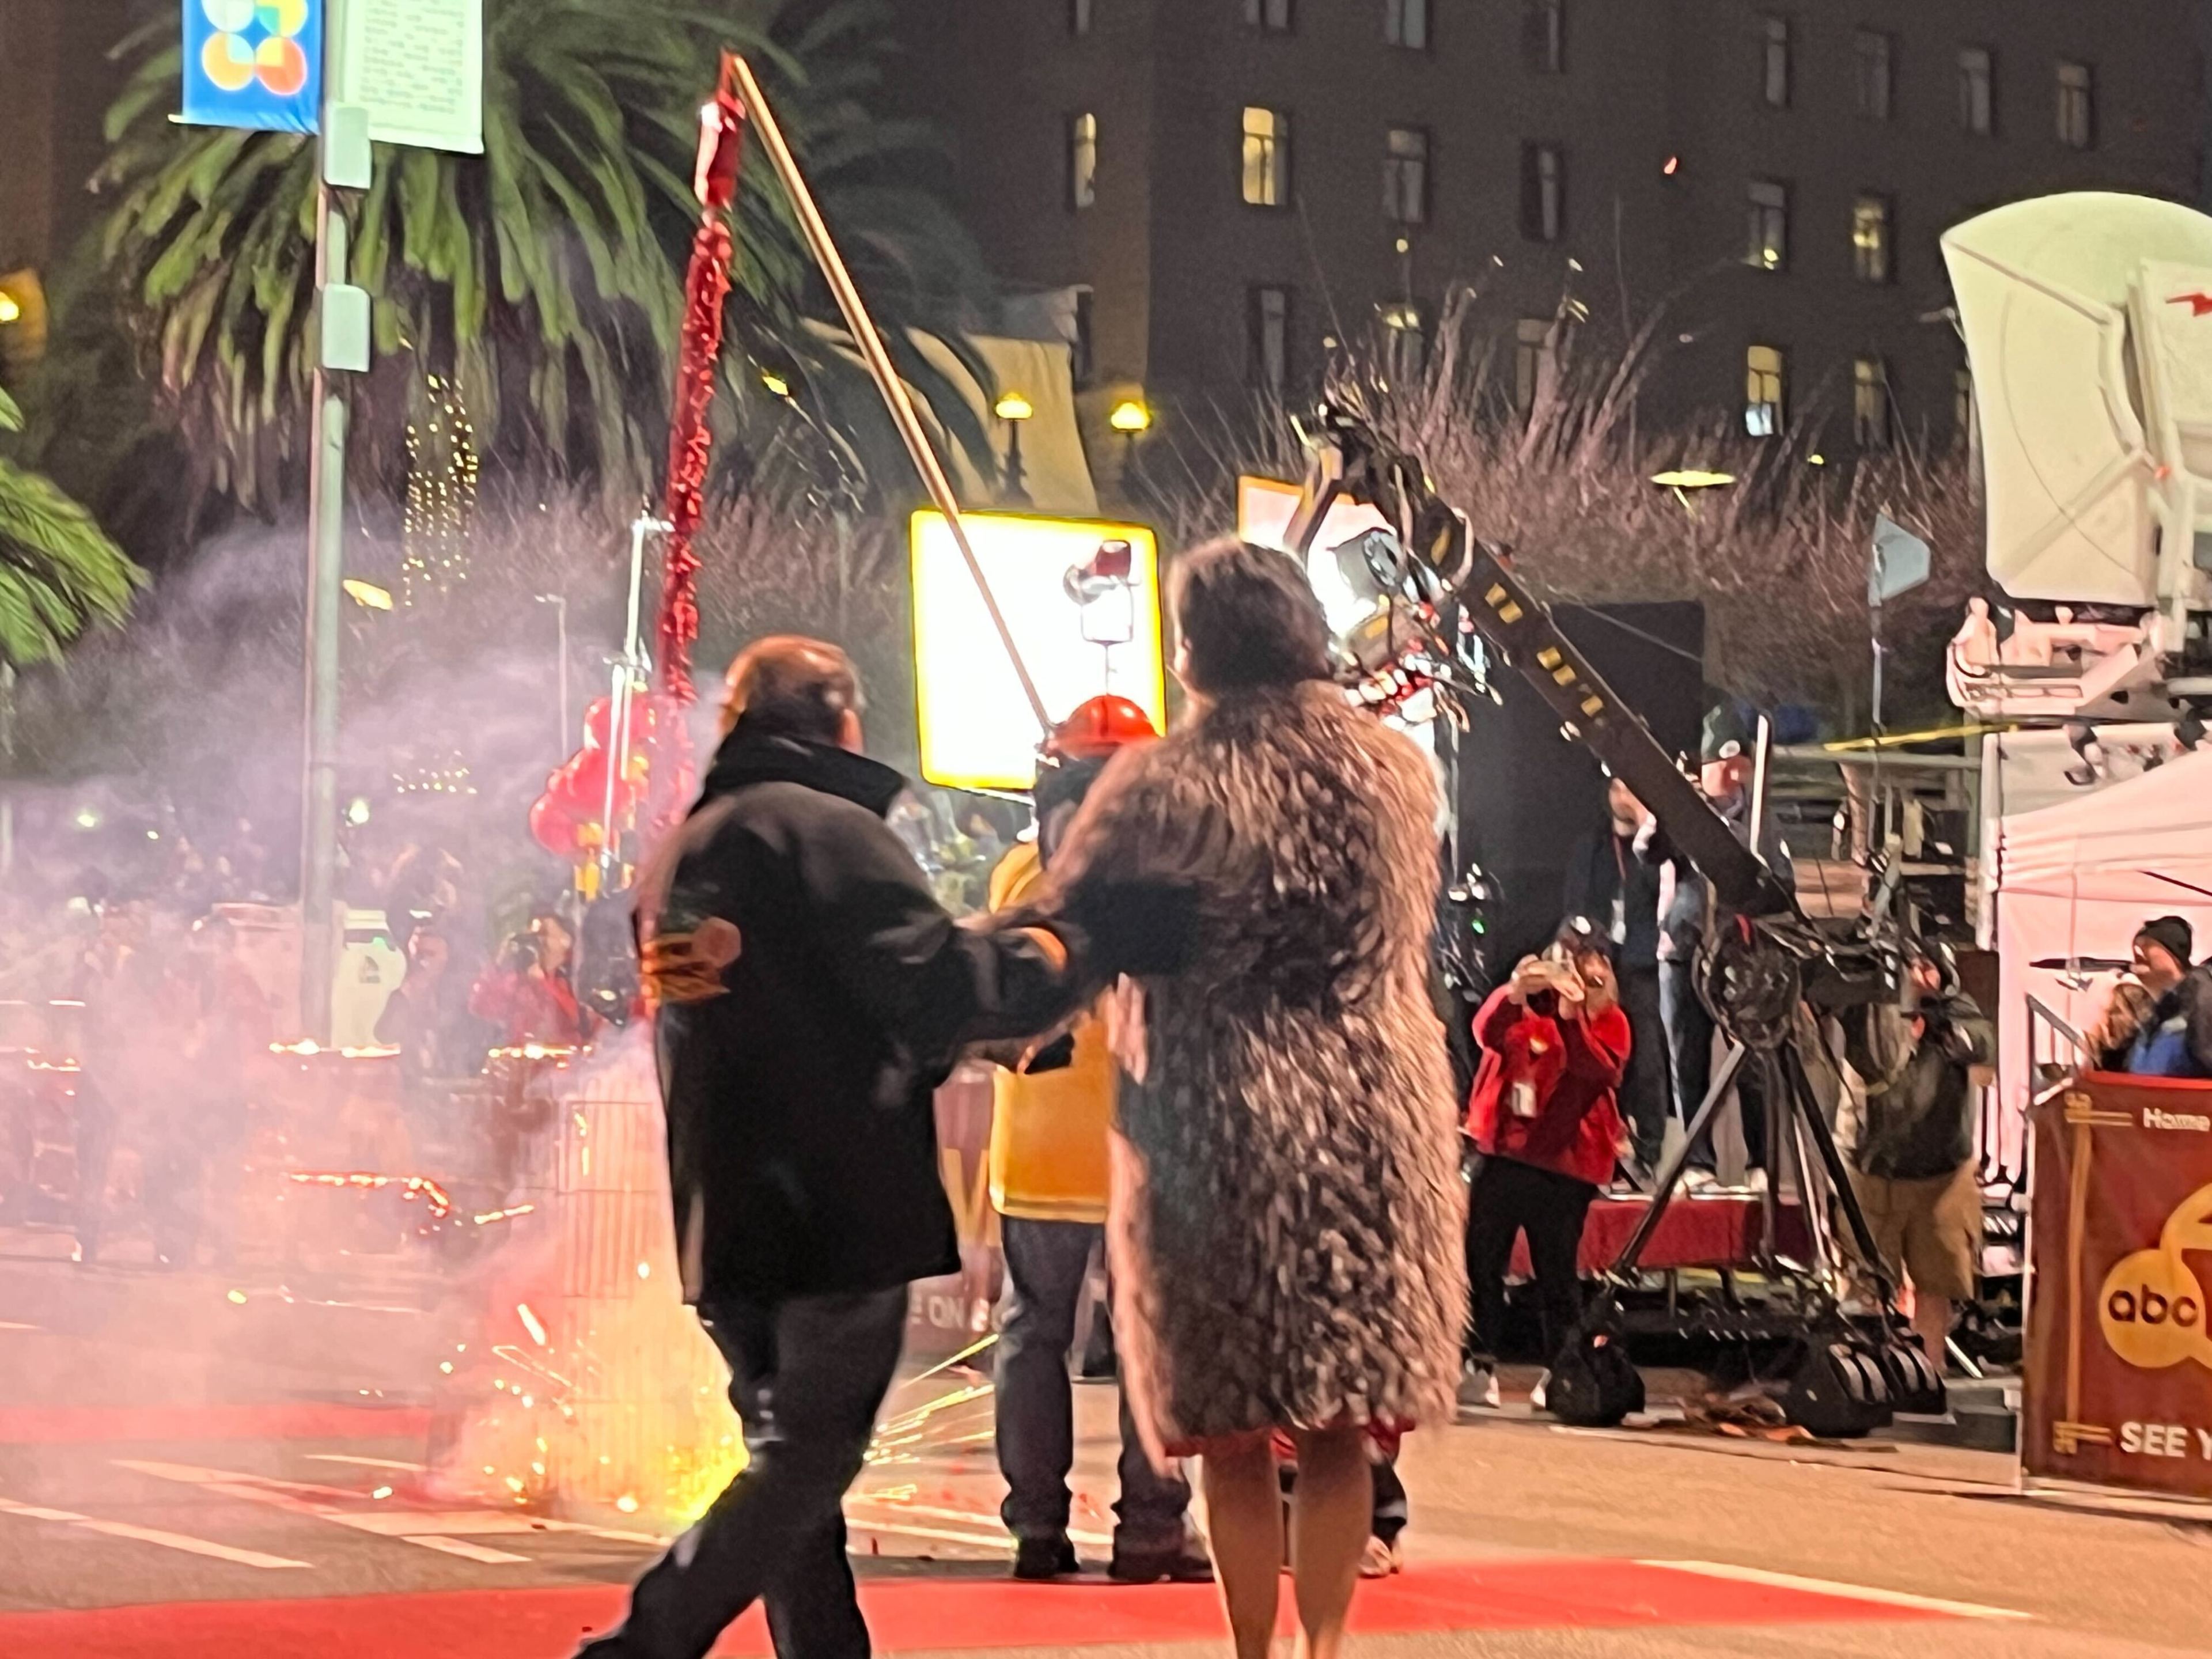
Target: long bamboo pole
879 361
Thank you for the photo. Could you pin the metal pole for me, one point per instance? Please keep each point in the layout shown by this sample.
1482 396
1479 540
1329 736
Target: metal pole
319 841
872 353
629 668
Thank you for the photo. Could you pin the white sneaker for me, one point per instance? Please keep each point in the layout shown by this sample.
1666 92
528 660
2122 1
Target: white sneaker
1695 1180
1536 1395
1478 1385
1755 1180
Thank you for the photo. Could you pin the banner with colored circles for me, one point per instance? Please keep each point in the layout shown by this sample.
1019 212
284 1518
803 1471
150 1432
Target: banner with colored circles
254 63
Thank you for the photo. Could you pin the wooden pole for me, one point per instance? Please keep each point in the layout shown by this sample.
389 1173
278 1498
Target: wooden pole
896 395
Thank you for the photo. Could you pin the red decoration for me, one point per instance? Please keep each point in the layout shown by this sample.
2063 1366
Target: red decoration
691 441
570 819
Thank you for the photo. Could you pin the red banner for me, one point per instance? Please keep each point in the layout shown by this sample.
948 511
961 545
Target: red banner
2118 1374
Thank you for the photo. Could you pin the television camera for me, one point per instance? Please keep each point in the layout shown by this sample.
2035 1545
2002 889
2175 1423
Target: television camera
1451 609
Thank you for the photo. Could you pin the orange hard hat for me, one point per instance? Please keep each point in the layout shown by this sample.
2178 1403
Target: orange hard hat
1098 727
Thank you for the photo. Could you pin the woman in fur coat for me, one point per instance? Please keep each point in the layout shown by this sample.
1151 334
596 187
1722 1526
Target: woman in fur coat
1288 1209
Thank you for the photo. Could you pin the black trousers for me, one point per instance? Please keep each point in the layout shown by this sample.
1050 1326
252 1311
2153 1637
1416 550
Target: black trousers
1510 1197
1046 1264
1690 1043
1647 1090
807 1376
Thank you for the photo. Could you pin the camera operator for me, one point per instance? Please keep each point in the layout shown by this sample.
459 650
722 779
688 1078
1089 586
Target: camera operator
1609 881
529 992
1914 1166
1545 1117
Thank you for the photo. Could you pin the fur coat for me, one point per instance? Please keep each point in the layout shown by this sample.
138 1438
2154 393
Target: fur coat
1288 1213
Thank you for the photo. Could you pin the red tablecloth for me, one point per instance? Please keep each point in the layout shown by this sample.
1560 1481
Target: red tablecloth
1718 1230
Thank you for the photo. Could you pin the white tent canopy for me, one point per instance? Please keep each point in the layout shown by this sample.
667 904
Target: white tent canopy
2075 881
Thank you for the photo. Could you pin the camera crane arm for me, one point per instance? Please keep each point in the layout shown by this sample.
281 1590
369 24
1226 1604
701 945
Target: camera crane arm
1457 585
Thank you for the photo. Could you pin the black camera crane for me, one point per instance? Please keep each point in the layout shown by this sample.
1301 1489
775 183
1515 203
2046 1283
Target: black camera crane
1762 960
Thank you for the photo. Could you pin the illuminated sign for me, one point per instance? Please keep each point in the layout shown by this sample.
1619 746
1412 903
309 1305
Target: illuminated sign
977 730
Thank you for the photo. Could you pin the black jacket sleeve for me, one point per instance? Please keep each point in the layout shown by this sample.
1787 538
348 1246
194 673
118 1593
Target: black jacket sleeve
931 983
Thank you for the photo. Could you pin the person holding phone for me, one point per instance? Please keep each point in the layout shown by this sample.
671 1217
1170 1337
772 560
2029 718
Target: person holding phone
1545 1117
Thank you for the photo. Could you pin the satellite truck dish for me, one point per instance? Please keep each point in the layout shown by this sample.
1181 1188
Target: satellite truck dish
2088 319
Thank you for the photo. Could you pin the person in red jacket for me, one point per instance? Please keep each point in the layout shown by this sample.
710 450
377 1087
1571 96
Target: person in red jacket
1544 1114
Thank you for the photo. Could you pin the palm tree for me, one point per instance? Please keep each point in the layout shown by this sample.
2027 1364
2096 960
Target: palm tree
58 571
544 278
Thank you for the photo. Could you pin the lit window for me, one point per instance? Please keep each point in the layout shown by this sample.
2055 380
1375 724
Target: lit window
1267 157
2078 106
1267 325
1762 391
1774 77
1869 403
1977 91
1767 245
1877 74
1272 15
1406 23
1079 16
1543 193
1871 239
1544 36
1405 177
1532 345
1083 161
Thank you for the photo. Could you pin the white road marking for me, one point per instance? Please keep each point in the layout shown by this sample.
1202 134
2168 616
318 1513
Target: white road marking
1829 1587
366 1462
171 1541
465 1550
428 1529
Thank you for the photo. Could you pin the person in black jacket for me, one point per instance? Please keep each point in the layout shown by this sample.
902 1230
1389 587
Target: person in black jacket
1617 891
811 994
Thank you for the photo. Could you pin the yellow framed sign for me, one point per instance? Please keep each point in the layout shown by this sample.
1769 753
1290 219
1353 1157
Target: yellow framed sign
1080 634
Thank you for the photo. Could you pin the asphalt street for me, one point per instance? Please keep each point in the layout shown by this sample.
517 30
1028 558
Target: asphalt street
186 1473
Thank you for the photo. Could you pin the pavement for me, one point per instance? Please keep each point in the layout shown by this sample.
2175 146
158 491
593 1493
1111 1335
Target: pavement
184 1474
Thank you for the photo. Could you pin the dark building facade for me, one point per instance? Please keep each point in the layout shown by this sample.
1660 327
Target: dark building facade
1235 185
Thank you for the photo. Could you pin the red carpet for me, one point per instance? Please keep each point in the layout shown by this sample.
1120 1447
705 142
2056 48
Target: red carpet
909 1616
35 1425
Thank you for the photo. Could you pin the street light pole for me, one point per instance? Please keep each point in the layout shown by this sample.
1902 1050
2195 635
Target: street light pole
327 472
560 604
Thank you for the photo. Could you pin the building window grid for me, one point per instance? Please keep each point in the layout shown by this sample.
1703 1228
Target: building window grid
1877 66
1267 158
1765 369
1268 328
1405 177
1543 193
1766 246
1082 160
1406 23
1544 36
2077 105
1870 403
1272 17
1977 112
1774 63
1873 239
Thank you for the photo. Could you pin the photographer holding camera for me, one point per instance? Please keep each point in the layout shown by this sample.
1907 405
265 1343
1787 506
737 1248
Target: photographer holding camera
529 992
1546 1119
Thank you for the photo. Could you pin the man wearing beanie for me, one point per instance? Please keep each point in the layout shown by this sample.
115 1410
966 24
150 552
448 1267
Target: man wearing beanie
2172 1036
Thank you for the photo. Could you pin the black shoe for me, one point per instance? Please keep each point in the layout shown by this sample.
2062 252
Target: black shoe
1183 1563
1037 1560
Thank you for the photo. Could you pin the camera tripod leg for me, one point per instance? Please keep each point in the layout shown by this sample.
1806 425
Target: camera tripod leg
1669 1178
1832 1160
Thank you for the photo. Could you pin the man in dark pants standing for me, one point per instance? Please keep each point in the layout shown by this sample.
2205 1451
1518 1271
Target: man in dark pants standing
1051 1124
1726 781
1611 886
811 994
